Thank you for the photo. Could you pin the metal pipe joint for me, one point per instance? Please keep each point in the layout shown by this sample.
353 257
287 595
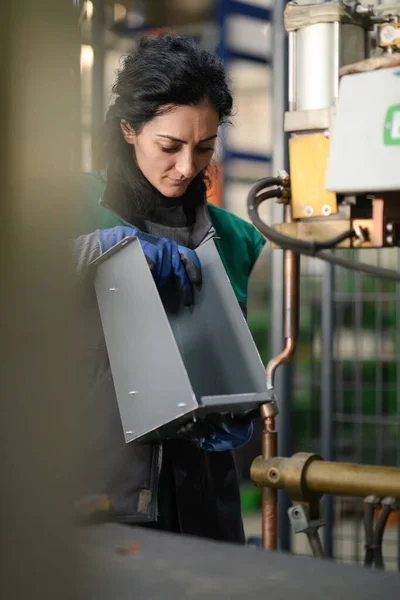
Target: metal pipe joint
306 477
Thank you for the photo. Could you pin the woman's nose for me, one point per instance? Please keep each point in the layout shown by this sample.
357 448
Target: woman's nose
185 165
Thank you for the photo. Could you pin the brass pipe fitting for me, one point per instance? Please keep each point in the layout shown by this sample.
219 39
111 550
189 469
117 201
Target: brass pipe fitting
306 475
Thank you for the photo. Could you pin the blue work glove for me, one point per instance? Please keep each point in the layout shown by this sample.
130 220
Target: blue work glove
166 259
217 433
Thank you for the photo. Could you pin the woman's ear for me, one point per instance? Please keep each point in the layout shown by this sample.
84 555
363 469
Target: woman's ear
127 131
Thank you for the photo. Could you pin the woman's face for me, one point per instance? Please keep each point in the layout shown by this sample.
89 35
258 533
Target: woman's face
174 147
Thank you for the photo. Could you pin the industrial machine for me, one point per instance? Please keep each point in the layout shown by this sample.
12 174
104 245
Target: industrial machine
343 191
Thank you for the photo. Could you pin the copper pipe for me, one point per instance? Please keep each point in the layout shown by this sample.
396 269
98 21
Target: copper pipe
378 222
291 295
269 495
269 410
290 315
278 360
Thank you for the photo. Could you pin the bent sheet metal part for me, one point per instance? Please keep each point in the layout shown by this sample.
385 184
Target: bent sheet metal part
171 363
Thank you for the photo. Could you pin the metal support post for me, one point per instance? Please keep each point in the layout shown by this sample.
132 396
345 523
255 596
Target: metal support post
283 383
327 392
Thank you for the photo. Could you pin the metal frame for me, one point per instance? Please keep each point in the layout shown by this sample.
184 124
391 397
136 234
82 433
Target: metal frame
223 10
283 381
327 395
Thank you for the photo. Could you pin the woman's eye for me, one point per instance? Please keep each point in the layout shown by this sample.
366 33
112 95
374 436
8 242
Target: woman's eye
169 149
204 150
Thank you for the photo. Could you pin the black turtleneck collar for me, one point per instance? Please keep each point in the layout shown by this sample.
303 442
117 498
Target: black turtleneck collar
183 219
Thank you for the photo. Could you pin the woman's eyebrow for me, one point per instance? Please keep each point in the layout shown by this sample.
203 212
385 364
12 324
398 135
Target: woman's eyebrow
174 139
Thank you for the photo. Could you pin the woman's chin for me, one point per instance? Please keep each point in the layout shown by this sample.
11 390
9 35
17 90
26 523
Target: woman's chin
173 191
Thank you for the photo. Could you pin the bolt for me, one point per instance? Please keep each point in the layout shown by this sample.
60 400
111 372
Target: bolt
113 289
132 392
308 211
326 210
273 474
128 433
389 227
389 240
181 404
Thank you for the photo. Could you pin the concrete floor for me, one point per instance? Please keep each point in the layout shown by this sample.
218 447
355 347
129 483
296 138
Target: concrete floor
345 546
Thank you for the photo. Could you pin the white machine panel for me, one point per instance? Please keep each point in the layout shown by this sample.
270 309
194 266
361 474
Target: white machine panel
365 138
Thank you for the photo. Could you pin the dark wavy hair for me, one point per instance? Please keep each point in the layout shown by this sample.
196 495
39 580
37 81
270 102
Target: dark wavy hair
164 71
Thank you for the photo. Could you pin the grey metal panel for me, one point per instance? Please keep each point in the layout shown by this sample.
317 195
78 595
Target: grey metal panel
216 346
359 161
168 359
145 361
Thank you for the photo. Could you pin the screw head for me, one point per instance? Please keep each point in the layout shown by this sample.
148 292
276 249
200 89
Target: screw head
326 210
389 239
389 227
308 211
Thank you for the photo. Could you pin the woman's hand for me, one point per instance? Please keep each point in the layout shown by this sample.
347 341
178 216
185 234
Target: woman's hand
166 259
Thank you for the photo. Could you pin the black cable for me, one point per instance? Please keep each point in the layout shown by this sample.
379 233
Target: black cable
369 512
354 265
307 248
266 182
300 246
312 247
378 535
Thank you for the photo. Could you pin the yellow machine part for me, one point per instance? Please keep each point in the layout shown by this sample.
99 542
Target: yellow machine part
308 158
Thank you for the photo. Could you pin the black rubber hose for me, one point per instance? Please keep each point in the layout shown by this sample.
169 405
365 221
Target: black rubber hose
369 512
302 247
265 183
378 535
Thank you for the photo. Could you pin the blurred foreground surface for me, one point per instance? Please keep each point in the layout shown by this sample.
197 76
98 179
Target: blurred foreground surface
134 562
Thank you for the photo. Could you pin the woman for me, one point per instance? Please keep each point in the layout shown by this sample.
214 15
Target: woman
170 98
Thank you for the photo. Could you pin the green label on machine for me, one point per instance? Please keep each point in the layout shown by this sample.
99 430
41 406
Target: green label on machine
391 131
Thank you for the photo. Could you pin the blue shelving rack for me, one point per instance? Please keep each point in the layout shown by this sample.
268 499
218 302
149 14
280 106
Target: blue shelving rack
224 9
